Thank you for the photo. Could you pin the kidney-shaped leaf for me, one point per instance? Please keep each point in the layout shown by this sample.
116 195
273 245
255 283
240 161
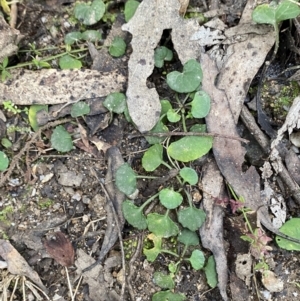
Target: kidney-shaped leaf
264 14
210 272
286 10
169 198
161 225
126 179
191 218
188 237
134 215
61 140
4 162
190 148
200 104
163 280
152 157
197 259
89 14
290 228
188 80
189 175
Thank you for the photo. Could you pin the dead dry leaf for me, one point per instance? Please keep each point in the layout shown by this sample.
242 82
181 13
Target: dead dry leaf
60 249
243 59
51 86
9 39
17 265
211 231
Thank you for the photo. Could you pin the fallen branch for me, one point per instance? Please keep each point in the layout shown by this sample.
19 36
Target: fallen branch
168 134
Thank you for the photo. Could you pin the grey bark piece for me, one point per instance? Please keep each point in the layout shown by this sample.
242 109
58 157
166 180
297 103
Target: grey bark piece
114 161
211 231
237 73
9 38
146 27
51 86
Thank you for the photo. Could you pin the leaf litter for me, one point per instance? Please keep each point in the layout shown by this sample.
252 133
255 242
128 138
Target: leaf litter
227 101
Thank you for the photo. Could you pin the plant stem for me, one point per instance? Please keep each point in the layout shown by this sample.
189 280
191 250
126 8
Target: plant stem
169 252
149 201
46 59
146 177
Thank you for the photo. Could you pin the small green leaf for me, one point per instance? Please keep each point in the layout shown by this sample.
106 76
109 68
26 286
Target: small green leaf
200 128
72 37
91 35
115 102
188 80
4 63
273 14
165 106
79 108
163 280
197 260
211 273
168 296
286 10
200 105
189 175
68 62
6 143
32 115
134 215
188 237
162 54
169 198
126 179
292 229
191 218
152 157
173 116
3 161
152 253
89 14
190 148
159 128
118 47
264 14
130 8
161 225
172 267
61 140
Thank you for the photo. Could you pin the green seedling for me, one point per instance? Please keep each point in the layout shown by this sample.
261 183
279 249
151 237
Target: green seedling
61 140
162 54
210 272
90 14
69 62
187 81
9 106
4 73
130 8
115 102
181 218
118 47
274 13
6 143
80 109
88 35
4 162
